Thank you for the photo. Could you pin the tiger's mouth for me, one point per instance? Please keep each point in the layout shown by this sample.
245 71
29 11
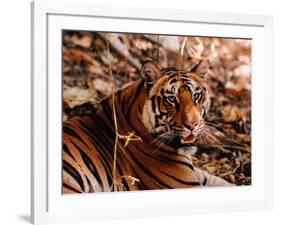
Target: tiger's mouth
187 137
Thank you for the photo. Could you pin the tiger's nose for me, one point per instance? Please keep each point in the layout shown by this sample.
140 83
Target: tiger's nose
191 126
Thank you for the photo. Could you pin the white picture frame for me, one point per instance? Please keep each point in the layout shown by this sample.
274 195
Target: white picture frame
48 204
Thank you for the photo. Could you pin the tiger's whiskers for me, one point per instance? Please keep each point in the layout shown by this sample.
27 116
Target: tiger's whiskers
166 138
211 137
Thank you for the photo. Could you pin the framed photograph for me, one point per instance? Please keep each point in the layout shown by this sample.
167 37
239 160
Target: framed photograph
140 112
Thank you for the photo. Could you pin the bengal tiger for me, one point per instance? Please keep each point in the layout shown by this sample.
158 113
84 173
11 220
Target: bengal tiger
166 109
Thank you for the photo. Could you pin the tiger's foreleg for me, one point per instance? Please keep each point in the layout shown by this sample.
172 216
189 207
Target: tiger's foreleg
210 180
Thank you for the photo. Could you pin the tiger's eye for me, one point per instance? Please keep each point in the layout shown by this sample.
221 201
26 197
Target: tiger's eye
171 99
196 96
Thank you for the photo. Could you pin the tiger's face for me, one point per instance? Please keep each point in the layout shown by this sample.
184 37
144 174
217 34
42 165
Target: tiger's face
177 103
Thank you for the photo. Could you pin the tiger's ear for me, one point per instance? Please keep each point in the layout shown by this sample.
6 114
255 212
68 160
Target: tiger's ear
150 72
201 68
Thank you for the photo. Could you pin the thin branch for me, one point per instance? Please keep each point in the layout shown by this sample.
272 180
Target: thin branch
129 137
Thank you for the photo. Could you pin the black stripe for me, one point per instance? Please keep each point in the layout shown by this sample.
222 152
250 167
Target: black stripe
173 81
101 144
181 181
187 81
120 119
140 109
126 106
71 188
91 189
132 101
190 166
72 133
184 75
119 170
106 165
172 75
174 153
148 172
102 152
120 160
90 130
107 109
101 123
165 159
103 131
88 162
67 151
153 103
205 181
169 92
73 172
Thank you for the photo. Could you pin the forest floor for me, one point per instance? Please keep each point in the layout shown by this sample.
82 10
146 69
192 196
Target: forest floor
86 61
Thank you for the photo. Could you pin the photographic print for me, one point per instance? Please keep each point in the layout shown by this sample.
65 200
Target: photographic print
149 112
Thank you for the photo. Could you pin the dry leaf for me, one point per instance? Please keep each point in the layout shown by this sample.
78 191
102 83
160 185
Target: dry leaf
230 113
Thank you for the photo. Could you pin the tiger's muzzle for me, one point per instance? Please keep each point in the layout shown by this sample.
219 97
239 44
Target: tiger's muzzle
189 132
